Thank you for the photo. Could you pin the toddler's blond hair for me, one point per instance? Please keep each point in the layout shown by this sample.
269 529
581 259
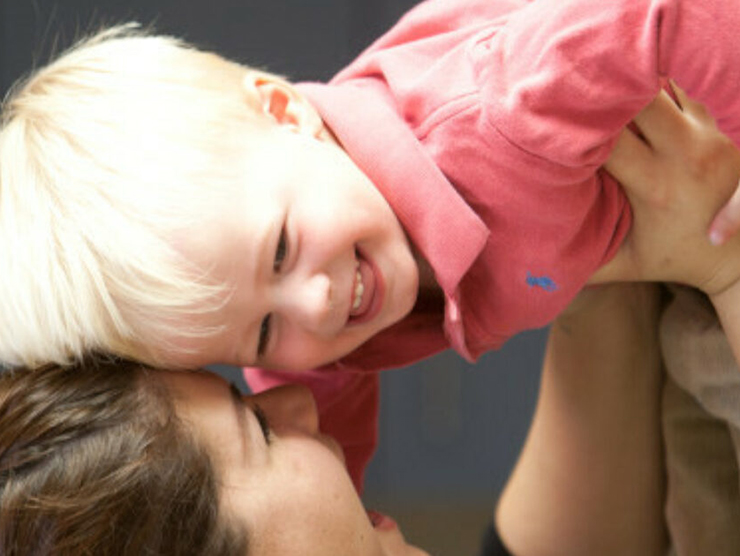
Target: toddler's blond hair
106 154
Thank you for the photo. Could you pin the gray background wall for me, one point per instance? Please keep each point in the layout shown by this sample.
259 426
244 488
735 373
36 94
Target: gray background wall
449 431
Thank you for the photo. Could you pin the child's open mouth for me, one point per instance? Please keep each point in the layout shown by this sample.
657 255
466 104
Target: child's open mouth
365 298
359 290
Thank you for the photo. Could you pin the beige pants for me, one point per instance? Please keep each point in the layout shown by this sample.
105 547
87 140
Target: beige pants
701 426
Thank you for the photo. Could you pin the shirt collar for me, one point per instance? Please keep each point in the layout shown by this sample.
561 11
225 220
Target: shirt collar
440 224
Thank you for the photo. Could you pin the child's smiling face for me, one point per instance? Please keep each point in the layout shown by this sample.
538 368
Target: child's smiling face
315 259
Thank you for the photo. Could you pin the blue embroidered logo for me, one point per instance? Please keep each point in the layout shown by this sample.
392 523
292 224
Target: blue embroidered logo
544 282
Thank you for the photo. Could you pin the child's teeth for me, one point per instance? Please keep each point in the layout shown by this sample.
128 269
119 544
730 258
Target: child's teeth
359 290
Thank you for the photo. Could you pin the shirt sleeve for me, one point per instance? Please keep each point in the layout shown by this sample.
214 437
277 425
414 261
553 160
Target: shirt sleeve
348 408
558 80
562 78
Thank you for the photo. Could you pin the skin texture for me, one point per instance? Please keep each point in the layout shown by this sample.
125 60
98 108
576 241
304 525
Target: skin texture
289 240
727 222
590 478
287 485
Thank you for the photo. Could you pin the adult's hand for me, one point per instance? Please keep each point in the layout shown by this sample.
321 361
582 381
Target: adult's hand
678 171
677 176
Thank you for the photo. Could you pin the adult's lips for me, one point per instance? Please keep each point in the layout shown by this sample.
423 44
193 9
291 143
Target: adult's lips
381 521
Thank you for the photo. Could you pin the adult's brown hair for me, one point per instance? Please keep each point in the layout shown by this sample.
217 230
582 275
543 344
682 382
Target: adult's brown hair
93 460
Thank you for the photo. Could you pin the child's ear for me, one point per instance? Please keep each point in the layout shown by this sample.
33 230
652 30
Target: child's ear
282 102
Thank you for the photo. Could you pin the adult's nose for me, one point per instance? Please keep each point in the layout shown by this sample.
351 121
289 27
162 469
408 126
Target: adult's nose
289 408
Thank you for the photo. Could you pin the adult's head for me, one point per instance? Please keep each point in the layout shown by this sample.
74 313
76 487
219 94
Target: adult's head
168 205
119 459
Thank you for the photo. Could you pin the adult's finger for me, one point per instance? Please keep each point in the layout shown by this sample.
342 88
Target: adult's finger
632 163
662 122
689 106
727 221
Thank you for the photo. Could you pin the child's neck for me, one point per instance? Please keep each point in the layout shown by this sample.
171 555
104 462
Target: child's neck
431 297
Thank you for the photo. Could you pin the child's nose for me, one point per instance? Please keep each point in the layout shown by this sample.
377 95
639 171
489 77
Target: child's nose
310 302
290 408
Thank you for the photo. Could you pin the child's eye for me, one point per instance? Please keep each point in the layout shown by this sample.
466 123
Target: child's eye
281 251
264 335
264 423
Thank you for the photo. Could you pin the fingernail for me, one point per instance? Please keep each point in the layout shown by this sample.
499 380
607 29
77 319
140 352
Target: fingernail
716 237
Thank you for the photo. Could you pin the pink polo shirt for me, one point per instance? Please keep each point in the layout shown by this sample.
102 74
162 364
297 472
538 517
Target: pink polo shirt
484 124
